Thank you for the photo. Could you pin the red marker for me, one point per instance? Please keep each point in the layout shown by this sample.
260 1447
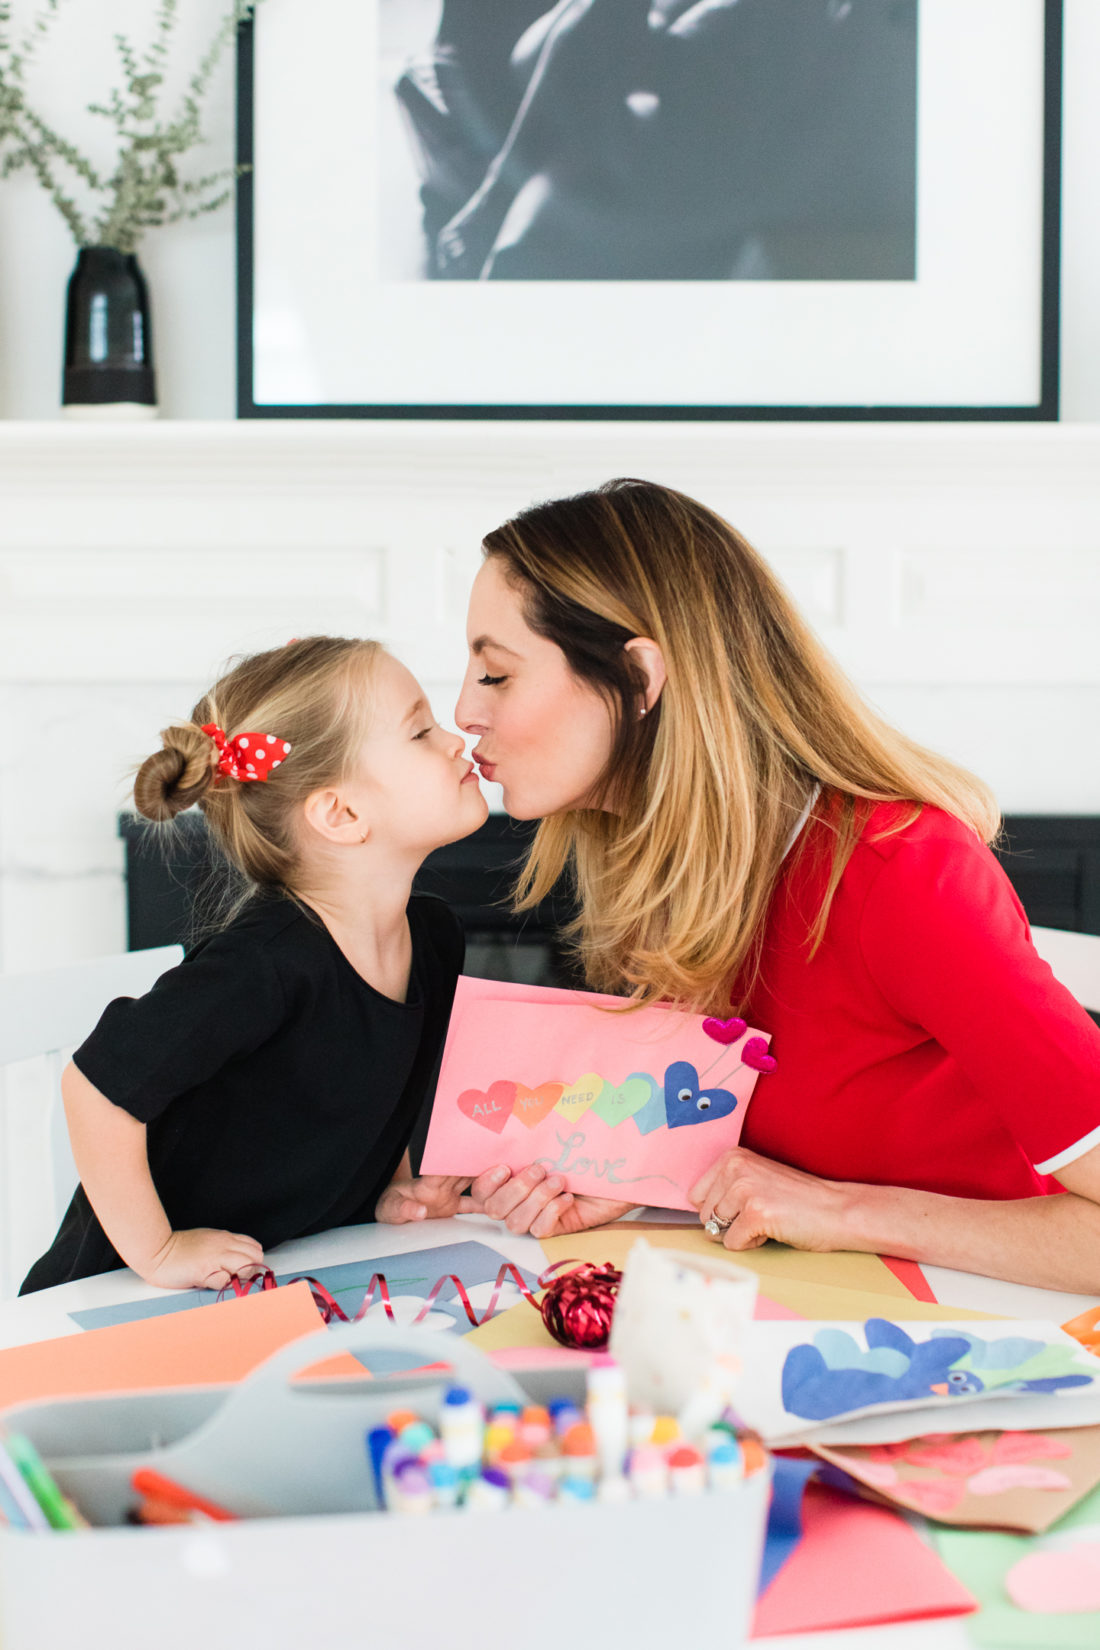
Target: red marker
156 1487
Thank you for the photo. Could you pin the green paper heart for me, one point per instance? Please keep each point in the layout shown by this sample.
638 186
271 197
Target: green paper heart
615 1105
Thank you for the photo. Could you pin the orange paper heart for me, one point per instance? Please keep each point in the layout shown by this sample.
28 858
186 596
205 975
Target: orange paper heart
532 1105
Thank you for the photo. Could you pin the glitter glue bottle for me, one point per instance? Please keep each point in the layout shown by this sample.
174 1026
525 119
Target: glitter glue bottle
607 1414
461 1426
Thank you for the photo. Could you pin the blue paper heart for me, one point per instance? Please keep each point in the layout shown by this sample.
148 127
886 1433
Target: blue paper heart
652 1114
686 1102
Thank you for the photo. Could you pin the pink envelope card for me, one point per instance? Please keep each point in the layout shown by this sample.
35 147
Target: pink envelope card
632 1107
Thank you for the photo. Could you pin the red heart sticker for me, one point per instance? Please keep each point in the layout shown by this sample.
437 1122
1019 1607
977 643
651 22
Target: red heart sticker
755 1055
725 1031
491 1108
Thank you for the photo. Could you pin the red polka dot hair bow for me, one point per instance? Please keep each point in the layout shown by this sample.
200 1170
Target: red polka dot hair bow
249 755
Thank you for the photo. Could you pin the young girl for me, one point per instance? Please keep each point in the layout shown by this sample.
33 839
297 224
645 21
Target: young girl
268 1086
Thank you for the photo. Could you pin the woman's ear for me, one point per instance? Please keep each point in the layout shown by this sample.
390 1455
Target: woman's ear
648 656
333 819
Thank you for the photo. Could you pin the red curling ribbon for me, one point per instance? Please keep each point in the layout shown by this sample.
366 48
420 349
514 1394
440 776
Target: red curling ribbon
332 1312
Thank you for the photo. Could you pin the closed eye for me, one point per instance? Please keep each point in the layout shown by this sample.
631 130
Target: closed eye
424 732
489 681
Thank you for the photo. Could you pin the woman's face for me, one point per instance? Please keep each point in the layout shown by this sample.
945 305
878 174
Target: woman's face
541 733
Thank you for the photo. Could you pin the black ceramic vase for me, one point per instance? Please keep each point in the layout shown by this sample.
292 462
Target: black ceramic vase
108 341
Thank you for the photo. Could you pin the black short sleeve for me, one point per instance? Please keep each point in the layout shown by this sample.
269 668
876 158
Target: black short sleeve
219 1004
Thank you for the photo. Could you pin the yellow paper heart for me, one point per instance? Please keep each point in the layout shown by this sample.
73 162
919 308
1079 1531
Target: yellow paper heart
580 1095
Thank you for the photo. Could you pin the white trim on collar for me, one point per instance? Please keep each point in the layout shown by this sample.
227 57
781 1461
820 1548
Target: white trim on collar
802 818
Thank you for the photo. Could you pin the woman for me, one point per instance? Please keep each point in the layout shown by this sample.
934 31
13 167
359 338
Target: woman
749 838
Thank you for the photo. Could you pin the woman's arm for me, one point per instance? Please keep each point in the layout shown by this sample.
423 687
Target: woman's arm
1048 1242
109 1150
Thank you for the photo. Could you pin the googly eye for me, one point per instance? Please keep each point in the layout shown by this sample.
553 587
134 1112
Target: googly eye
684 1094
703 1103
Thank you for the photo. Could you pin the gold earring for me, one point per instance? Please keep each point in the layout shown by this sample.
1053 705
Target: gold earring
363 838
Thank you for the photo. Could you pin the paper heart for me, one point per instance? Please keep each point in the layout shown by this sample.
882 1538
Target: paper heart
1028 1446
882 1475
933 1496
1063 1581
725 1031
491 1108
615 1105
687 1103
532 1105
755 1055
652 1114
577 1098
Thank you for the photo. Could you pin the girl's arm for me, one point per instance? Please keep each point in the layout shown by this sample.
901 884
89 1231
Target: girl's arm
1048 1242
110 1154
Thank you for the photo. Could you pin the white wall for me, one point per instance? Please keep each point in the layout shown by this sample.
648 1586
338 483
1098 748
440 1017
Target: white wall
191 267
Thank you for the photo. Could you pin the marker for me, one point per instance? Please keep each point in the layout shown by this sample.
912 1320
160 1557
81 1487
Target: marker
506 1413
578 1446
154 1484
446 1484
417 1436
576 1489
394 1457
151 1511
17 1489
399 1419
666 1431
515 1458
607 1414
410 1489
489 1492
548 1458
686 1472
378 1441
534 1425
433 1451
497 1438
461 1427
648 1473
754 1455
725 1466
534 1489
563 1414
58 1510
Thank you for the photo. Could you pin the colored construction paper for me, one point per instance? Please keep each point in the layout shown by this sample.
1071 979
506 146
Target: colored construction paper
1062 1581
1010 1480
212 1345
626 1106
784 1528
800 1378
909 1273
409 1276
984 1561
856 1564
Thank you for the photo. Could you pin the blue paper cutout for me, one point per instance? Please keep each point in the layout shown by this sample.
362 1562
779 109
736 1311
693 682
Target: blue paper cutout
835 1375
784 1529
652 1115
687 1103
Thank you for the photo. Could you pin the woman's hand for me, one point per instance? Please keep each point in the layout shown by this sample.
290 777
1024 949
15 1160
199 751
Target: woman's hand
533 1201
765 1200
202 1258
423 1197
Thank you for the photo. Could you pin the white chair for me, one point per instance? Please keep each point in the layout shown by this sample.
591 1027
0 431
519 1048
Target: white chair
1074 960
43 1016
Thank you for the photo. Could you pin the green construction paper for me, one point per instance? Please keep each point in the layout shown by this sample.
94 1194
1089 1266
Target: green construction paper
982 1558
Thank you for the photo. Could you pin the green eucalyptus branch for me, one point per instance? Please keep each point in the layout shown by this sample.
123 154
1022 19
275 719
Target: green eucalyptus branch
145 187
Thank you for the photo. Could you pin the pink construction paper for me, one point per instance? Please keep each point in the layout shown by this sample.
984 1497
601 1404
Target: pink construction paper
531 1074
856 1564
766 1310
1057 1581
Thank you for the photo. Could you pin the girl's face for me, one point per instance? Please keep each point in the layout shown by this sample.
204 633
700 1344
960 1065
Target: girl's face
541 733
414 788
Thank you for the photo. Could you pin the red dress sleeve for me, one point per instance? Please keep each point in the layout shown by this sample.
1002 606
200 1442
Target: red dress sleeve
947 943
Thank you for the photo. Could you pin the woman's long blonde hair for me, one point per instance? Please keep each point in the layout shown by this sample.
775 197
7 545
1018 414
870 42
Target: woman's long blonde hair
673 886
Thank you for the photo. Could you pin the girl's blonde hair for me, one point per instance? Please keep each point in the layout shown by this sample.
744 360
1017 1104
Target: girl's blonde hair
315 693
674 885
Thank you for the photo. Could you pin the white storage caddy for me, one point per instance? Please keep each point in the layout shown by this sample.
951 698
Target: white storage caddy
319 1567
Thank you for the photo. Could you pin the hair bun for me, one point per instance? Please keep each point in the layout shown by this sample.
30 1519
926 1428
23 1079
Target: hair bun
175 777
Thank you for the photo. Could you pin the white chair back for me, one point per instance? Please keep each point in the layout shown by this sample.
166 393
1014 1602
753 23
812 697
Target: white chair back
43 1016
1074 960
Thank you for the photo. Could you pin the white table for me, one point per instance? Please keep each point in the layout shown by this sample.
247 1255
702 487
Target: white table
46 1315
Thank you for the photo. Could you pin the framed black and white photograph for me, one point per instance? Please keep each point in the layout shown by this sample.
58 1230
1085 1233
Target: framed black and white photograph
649 209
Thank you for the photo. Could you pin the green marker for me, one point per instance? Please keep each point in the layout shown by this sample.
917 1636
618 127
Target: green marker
39 1481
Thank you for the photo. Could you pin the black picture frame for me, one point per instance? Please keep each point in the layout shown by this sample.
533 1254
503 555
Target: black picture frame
1044 408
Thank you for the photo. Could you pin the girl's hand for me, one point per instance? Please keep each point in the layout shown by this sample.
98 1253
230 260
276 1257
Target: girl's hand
766 1200
423 1197
533 1201
203 1258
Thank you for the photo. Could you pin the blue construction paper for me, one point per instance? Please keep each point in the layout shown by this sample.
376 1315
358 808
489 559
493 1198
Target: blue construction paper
406 1274
784 1530
686 1103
